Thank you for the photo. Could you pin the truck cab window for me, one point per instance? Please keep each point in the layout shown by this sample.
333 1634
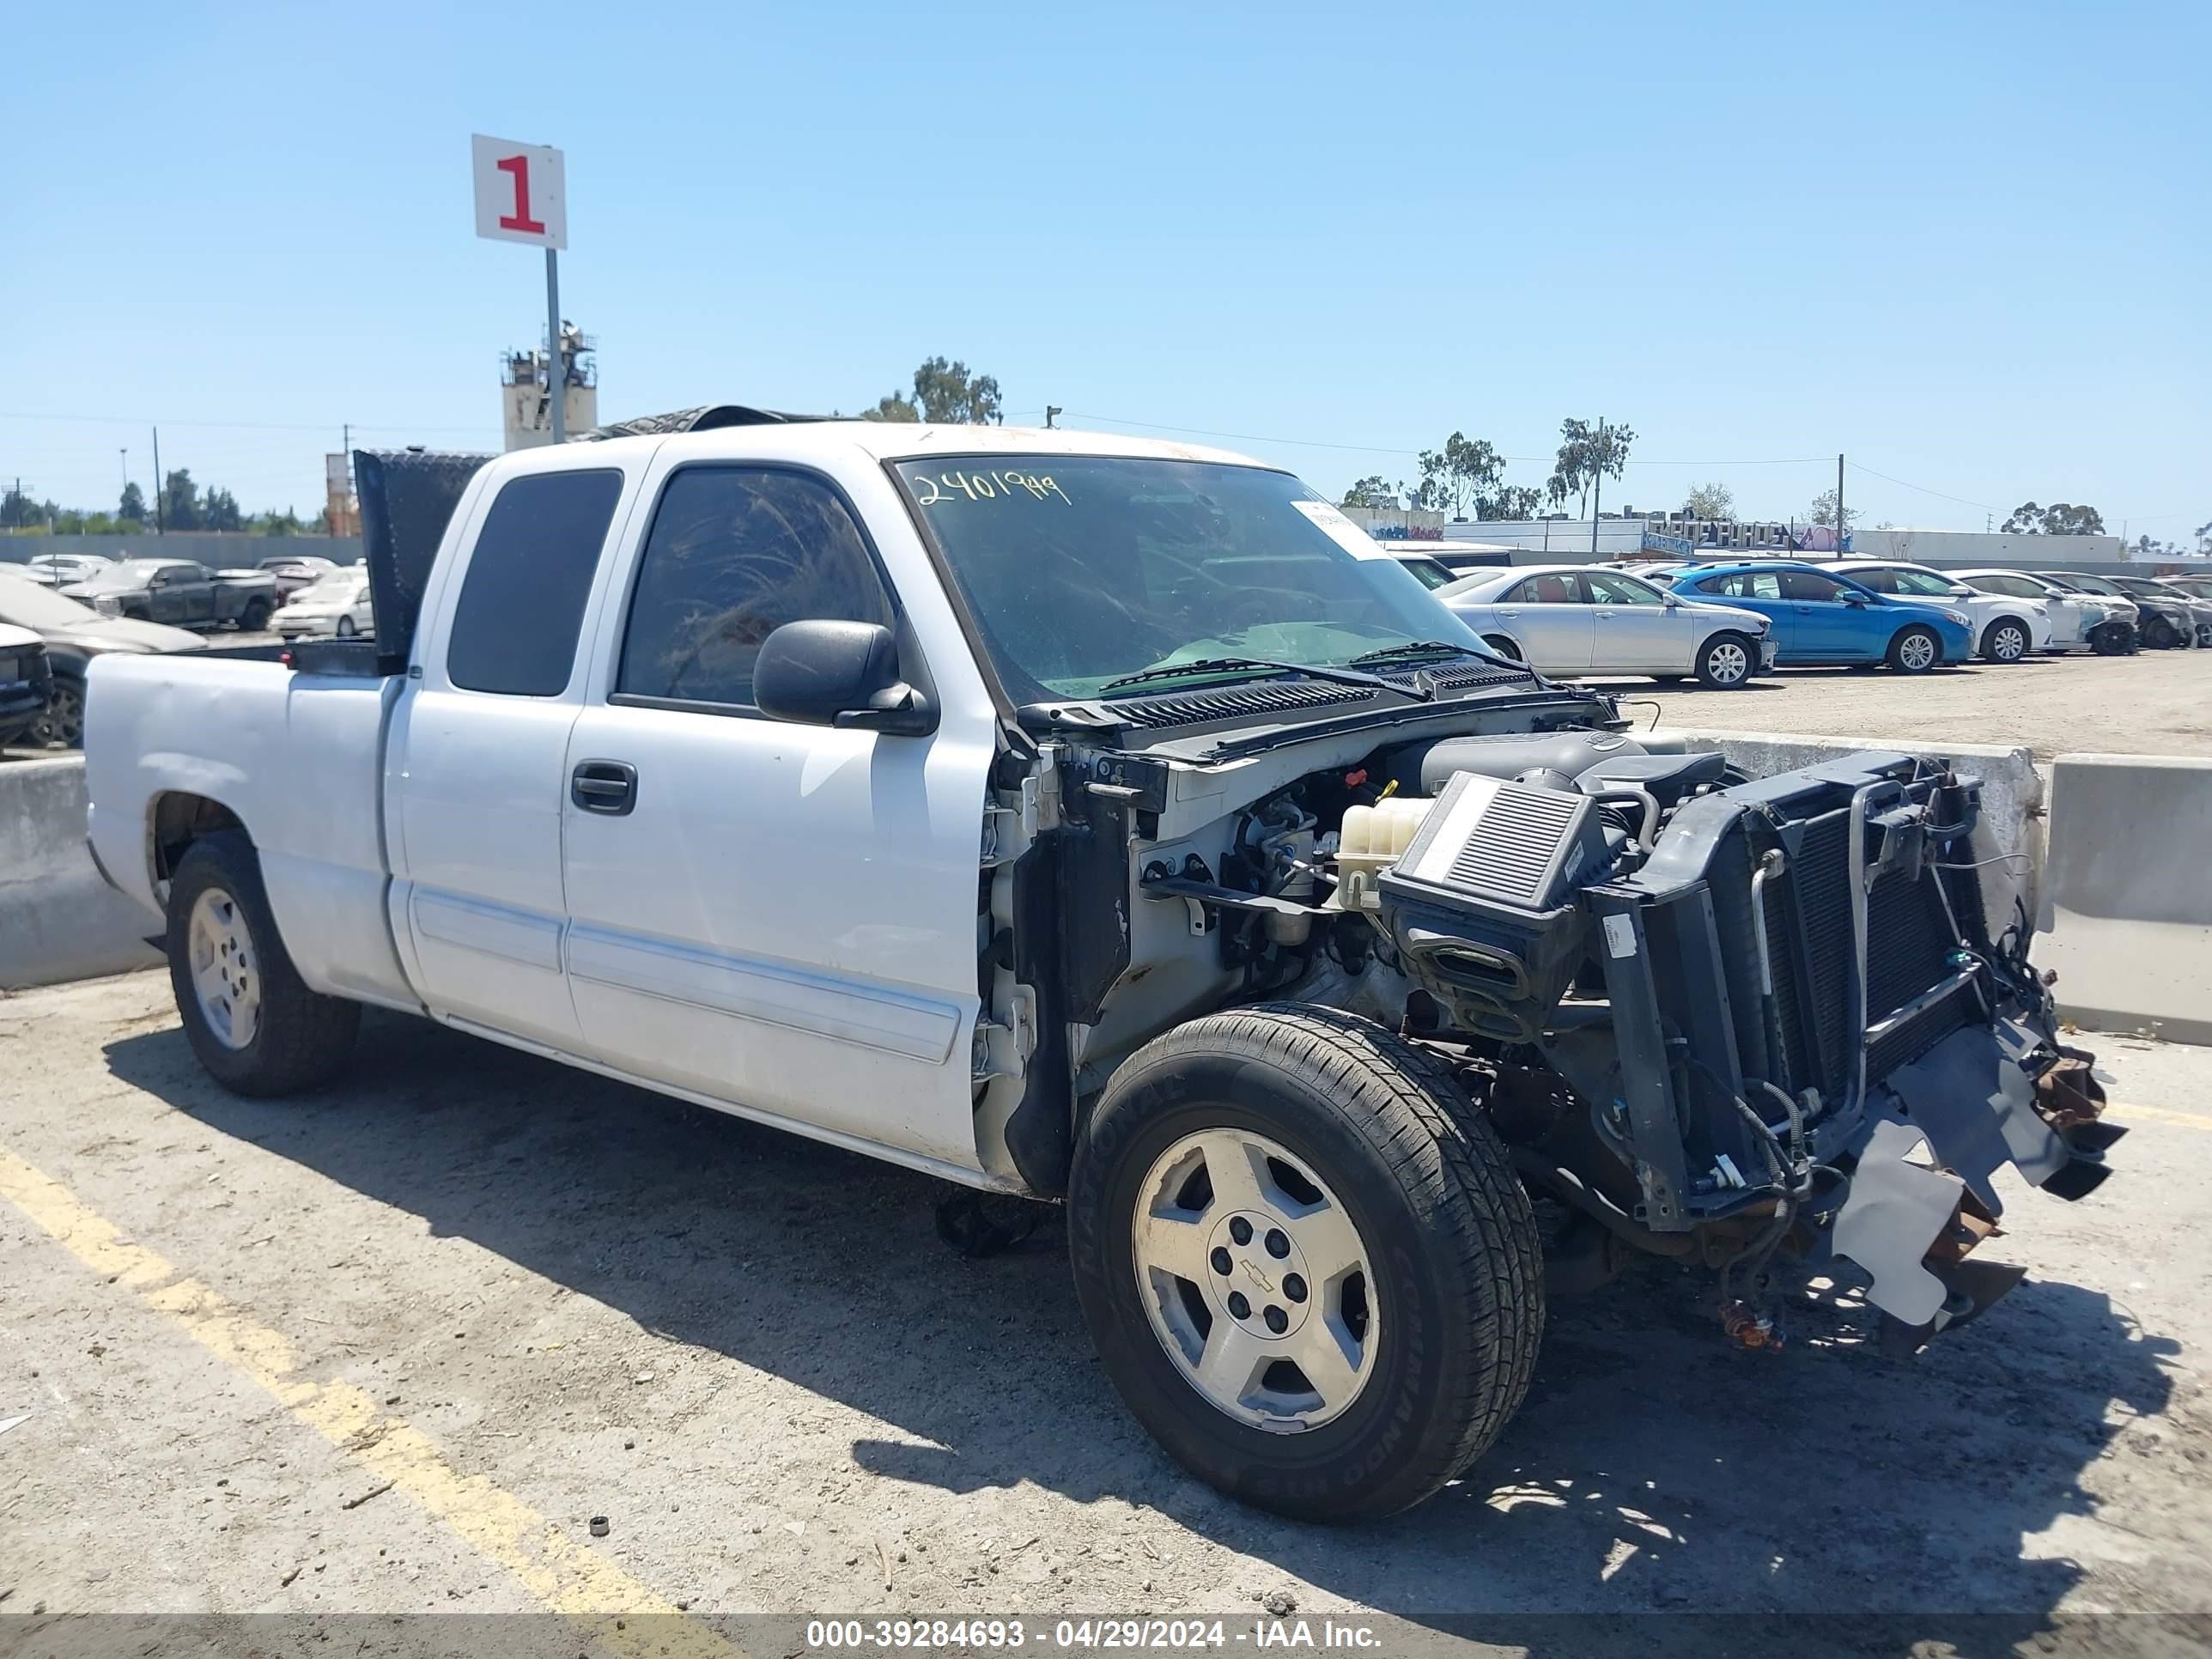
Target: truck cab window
735 553
521 606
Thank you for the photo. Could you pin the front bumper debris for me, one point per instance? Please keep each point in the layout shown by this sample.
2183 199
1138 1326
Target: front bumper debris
1921 1191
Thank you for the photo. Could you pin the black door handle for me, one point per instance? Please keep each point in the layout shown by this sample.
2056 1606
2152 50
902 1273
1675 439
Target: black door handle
603 786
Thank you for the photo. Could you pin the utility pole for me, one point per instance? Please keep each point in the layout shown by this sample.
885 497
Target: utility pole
557 375
1051 409
124 453
1597 486
157 480
1840 506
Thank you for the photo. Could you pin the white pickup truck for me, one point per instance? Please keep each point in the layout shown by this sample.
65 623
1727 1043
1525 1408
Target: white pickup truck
1079 818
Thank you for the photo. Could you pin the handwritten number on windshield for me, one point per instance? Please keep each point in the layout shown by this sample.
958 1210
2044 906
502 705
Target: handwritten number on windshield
985 487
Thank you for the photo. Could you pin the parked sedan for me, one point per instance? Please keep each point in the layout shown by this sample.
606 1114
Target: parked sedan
2142 588
2164 622
2105 625
1571 619
75 634
2007 630
336 607
293 574
180 591
1820 618
60 569
25 681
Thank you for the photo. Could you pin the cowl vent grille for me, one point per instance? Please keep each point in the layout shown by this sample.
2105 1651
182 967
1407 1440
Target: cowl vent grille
1234 702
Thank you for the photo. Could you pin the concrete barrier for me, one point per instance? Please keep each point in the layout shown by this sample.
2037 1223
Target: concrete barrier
2127 894
58 919
2013 793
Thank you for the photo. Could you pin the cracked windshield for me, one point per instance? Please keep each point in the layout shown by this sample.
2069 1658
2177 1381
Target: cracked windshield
1082 571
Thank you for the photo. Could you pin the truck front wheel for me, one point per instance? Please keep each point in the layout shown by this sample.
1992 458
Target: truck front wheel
253 1022
1306 1260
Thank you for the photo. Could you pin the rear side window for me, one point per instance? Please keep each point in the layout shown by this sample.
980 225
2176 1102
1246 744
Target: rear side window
522 601
1804 585
1744 584
735 554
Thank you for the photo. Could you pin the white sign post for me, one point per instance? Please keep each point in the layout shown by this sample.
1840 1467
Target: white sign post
522 196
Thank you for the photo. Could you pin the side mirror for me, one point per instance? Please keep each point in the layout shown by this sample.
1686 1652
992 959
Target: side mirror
1672 601
844 674
1852 596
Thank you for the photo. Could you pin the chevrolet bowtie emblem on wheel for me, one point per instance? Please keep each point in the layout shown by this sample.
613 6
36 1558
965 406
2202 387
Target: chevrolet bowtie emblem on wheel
1260 1278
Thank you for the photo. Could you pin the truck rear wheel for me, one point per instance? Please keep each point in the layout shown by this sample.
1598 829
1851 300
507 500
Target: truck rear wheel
254 617
253 1022
1306 1260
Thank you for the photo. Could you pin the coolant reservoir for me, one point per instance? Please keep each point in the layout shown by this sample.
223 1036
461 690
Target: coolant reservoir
1370 841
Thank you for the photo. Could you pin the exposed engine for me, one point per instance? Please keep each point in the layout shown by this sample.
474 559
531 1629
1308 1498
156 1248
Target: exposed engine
1714 1017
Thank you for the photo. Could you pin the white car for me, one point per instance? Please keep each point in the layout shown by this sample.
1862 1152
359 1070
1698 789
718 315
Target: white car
1582 619
336 607
2007 628
61 569
2076 618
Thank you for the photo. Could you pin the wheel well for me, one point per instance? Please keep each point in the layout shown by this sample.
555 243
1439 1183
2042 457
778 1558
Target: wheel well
179 820
1504 643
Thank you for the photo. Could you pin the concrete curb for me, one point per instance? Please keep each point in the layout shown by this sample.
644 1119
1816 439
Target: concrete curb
58 919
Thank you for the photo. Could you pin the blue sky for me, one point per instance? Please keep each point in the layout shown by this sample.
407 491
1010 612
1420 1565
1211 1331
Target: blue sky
1969 246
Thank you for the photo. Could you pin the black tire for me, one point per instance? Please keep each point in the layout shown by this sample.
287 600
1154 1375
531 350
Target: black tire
2008 641
1504 647
62 726
1424 1178
255 616
301 1037
1905 659
1720 671
2160 635
346 630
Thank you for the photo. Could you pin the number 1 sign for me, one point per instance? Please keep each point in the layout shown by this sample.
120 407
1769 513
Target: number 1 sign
521 195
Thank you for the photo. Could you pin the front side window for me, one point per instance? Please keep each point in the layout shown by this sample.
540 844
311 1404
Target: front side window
1882 581
1081 570
1744 584
1925 585
735 553
1609 589
521 608
1805 587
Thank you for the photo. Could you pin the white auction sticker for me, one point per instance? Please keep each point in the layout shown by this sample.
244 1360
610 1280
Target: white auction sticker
1341 530
1620 935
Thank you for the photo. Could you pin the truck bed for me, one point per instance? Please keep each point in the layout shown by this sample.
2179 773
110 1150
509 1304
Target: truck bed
297 756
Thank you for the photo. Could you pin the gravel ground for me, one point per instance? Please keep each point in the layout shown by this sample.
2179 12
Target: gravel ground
2159 702
753 1356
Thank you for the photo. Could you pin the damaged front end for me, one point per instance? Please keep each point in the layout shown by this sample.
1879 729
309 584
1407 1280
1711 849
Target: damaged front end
1735 1021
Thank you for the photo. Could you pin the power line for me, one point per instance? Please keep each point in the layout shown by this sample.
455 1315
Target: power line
239 426
1410 449
1987 507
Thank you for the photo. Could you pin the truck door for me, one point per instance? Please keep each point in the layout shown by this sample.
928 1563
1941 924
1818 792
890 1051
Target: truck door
181 593
475 773
780 917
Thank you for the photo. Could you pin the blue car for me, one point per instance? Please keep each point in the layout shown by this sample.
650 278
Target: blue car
1819 618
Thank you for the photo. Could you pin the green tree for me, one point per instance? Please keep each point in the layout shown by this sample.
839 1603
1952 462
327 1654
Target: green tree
892 406
219 510
1514 501
1588 456
1461 474
180 502
2059 518
19 512
1824 511
1371 491
132 508
1712 501
948 394
286 522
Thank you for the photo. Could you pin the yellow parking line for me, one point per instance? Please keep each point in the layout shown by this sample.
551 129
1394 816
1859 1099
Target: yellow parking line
565 1576
2161 1114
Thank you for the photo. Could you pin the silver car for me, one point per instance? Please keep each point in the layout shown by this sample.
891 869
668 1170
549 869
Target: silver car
1569 619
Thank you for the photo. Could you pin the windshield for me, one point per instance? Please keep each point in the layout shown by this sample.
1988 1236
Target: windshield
2142 588
2093 585
1082 569
29 605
